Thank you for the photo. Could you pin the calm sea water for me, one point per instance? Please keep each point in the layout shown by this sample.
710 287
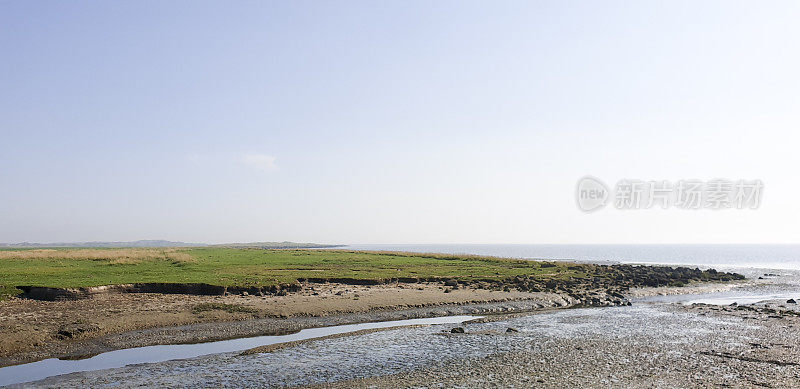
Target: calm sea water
721 256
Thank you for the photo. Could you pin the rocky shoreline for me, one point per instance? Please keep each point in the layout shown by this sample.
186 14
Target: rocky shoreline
615 279
100 319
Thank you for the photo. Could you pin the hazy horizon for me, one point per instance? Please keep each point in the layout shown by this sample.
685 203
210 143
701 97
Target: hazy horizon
395 122
347 244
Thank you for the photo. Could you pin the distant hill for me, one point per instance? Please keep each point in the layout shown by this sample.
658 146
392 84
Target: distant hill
138 243
166 243
278 245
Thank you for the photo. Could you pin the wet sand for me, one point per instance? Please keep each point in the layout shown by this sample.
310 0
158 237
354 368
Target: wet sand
651 345
645 345
34 330
123 316
654 343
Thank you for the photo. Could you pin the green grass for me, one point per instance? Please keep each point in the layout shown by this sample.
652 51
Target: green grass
254 267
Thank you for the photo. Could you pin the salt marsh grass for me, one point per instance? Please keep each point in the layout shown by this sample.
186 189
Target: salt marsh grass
114 256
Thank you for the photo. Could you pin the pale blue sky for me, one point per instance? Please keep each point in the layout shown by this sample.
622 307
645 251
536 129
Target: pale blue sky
391 122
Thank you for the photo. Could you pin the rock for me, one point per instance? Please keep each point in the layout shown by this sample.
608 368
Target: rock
791 301
451 282
457 330
509 329
733 304
75 329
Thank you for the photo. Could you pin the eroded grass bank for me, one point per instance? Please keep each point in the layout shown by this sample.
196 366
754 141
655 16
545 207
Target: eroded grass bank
268 270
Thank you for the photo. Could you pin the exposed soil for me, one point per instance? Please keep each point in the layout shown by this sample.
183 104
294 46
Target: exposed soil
93 320
33 330
647 345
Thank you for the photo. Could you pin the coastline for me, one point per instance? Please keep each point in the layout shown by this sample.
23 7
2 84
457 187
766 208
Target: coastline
643 346
368 303
648 344
35 330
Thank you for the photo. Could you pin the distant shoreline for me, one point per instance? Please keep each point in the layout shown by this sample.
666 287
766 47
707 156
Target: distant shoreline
165 244
731 257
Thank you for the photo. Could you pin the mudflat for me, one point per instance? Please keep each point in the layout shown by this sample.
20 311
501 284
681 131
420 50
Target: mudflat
34 330
104 299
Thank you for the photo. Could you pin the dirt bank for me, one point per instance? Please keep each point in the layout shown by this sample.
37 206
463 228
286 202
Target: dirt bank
93 320
33 330
646 345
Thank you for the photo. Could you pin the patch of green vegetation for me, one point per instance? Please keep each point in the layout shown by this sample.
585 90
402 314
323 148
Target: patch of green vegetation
257 267
230 308
8 291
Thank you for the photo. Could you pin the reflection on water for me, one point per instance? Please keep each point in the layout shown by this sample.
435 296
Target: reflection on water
760 287
150 354
411 348
723 298
743 299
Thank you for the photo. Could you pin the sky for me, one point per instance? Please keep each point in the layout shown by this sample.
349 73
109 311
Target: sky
394 121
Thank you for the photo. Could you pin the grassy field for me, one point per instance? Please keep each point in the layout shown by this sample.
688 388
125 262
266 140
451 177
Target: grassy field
245 267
